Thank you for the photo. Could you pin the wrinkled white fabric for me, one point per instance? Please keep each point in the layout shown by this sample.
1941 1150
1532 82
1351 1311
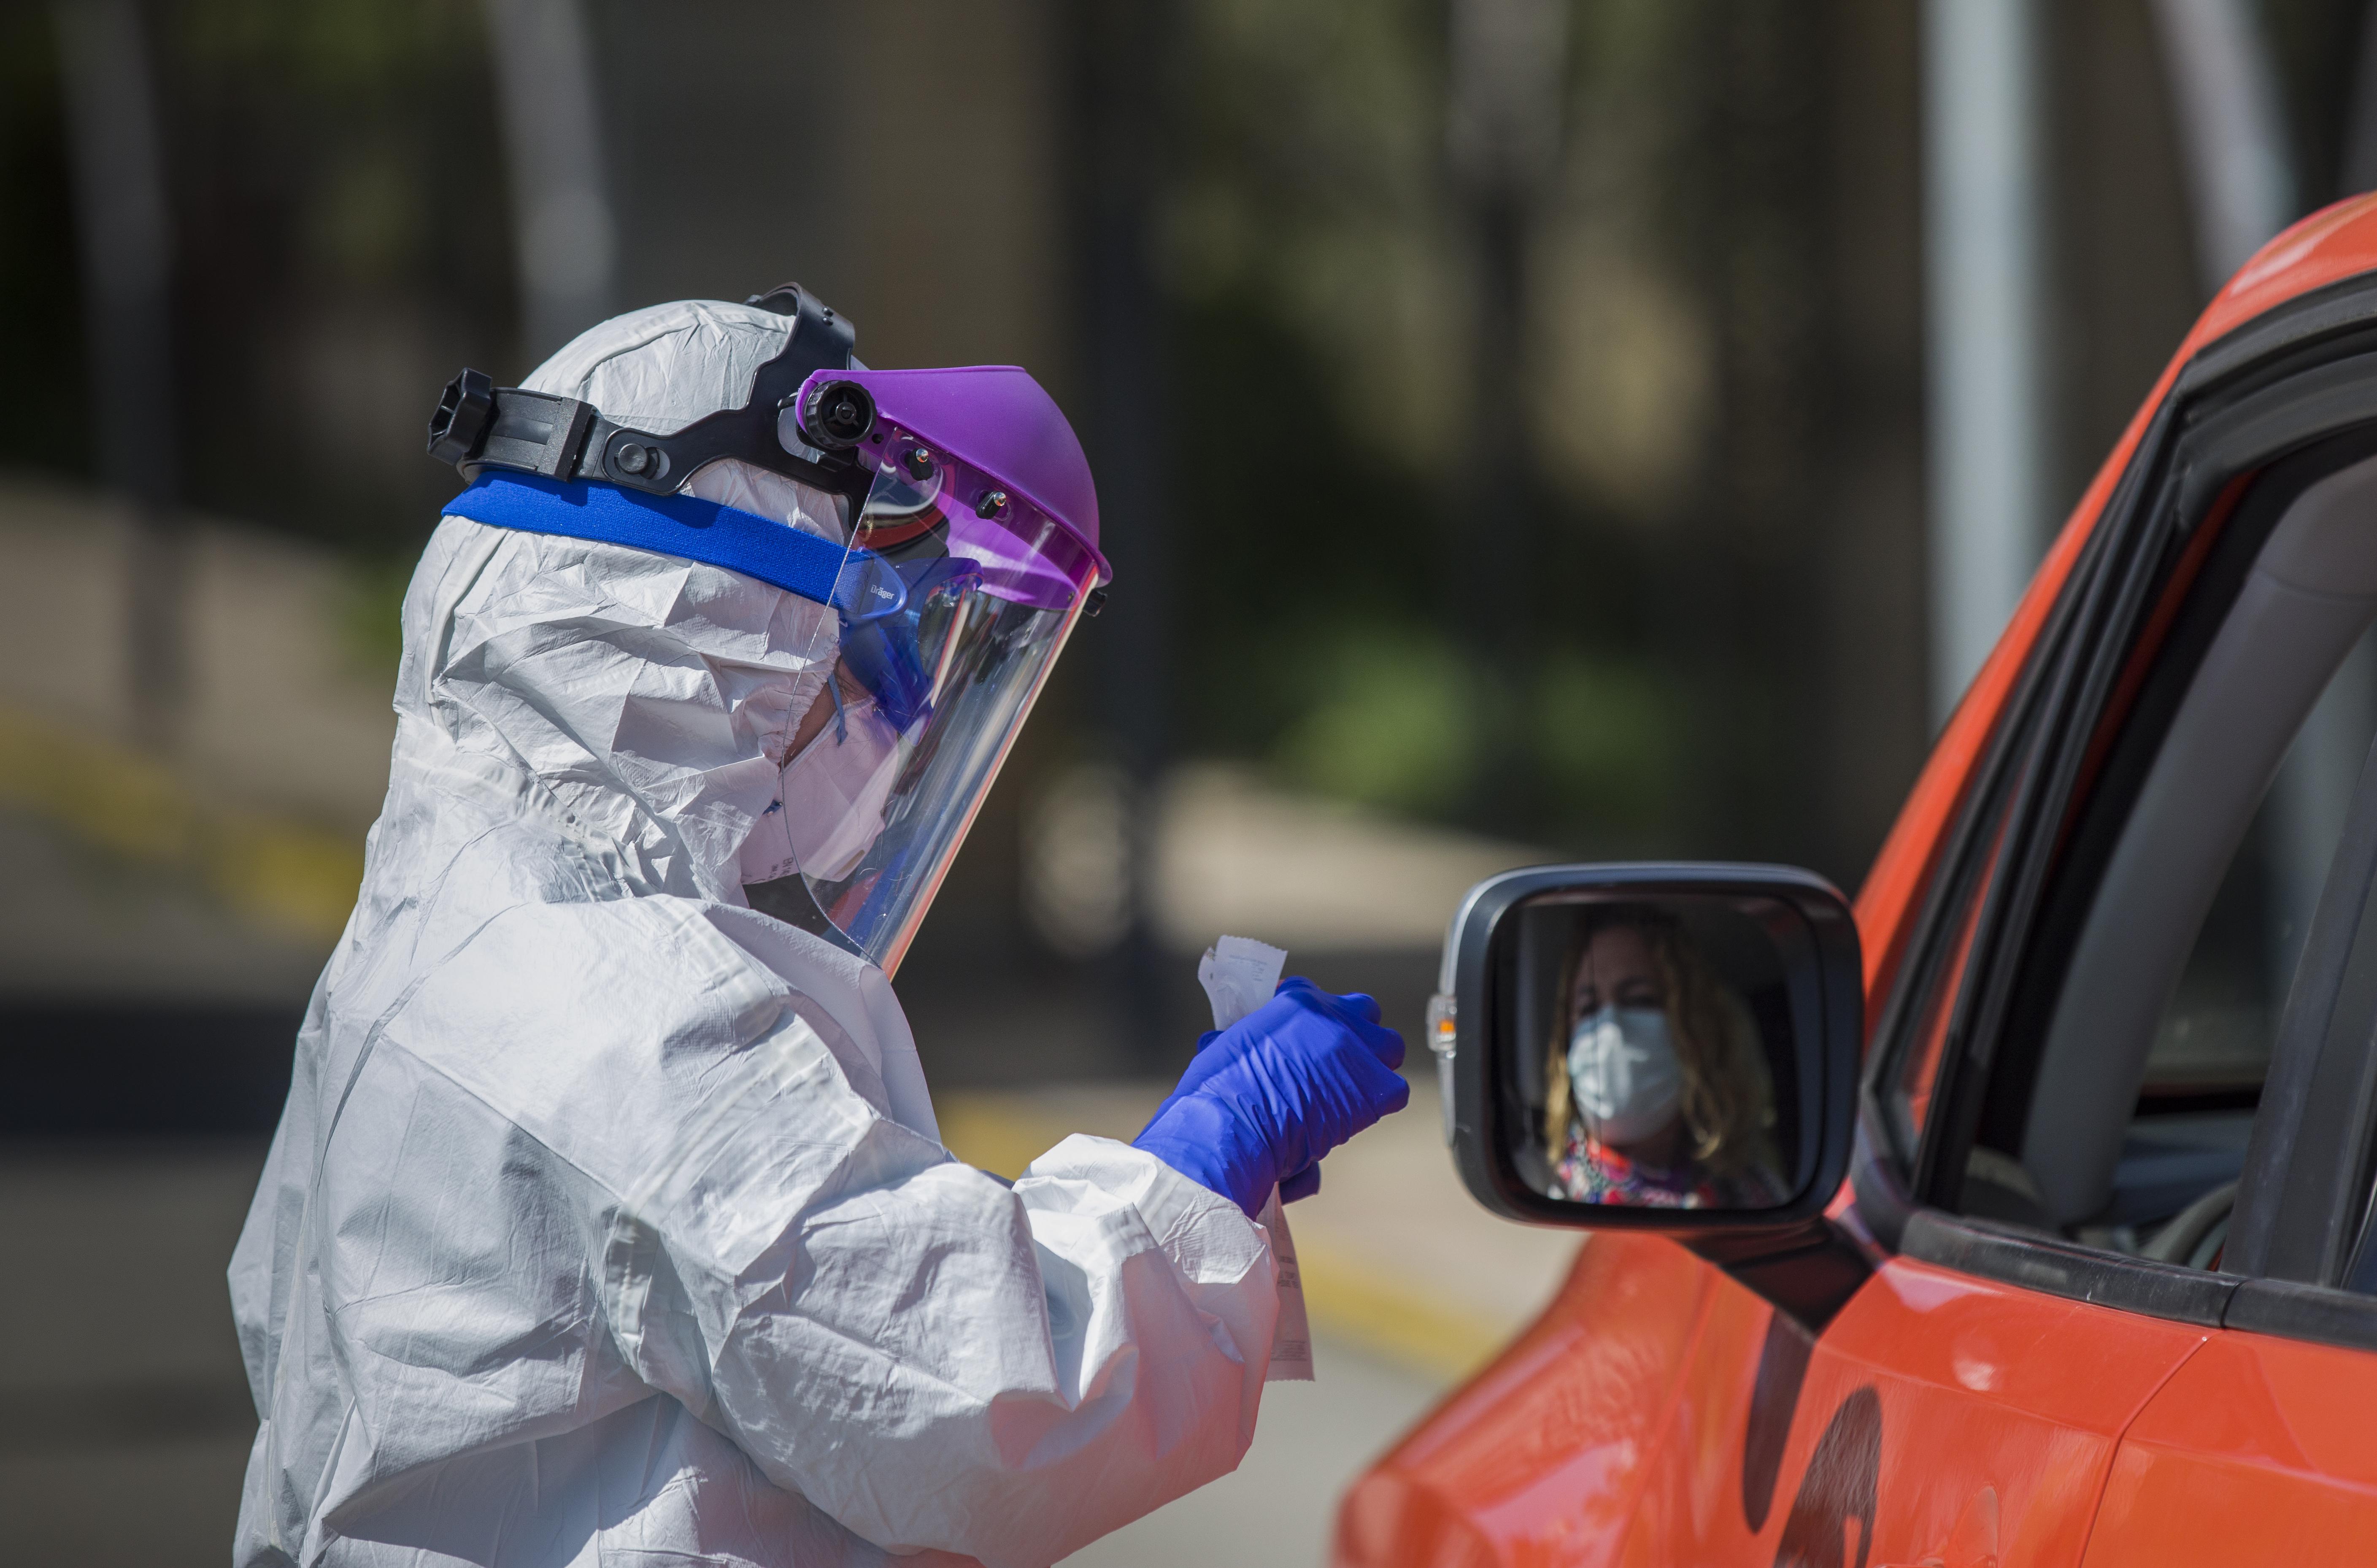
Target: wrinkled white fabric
608 1220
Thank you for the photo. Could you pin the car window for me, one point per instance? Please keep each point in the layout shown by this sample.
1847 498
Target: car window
2186 1140
2121 1085
2212 1042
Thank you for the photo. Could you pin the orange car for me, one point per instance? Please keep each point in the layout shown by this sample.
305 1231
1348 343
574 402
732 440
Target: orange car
2021 1214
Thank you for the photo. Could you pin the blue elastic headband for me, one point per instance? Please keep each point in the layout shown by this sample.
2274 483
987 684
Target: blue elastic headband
684 526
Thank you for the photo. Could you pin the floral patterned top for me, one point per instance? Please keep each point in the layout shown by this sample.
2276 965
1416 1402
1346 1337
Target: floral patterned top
1594 1173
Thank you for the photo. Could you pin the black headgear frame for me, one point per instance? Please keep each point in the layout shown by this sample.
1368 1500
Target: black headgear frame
480 425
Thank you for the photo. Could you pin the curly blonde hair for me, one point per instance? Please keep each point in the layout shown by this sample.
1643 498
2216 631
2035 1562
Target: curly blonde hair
1729 1098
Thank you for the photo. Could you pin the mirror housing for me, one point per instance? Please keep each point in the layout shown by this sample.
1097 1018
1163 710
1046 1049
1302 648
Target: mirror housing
1785 1249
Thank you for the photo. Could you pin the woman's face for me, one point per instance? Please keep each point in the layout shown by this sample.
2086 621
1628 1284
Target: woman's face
1617 968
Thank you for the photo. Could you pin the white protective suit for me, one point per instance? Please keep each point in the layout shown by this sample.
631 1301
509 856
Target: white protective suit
608 1221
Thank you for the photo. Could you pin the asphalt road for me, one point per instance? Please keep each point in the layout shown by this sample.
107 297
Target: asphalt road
1275 1511
124 1416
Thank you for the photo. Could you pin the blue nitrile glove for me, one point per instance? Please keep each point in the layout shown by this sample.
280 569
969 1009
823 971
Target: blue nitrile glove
1305 1182
1266 1098
1356 1005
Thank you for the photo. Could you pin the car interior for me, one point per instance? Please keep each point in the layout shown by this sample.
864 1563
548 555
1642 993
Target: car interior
2152 1056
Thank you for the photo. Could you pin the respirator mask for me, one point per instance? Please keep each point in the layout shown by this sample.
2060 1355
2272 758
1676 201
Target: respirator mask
1624 1077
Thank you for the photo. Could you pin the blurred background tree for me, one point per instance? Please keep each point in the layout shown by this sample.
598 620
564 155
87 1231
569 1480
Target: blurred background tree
1508 412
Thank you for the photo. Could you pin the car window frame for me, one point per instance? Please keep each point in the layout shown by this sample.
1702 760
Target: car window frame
2197 585
1938 955
2302 376
1943 955
2302 1201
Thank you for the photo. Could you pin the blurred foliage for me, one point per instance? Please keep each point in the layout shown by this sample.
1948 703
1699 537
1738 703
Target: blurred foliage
1398 719
1713 454
1305 187
1604 734
1318 268
1387 720
339 244
344 218
348 49
1290 527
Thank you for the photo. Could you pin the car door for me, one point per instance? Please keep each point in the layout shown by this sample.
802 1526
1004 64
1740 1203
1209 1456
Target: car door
2112 1182
1941 1418
2258 1448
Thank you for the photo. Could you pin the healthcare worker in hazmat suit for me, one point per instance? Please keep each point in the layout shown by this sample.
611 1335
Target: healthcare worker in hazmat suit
608 1221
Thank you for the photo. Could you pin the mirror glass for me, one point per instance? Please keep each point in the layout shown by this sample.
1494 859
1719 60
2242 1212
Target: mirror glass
1647 1049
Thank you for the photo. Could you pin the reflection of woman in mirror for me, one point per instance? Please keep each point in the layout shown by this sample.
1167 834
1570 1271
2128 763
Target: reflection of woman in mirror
1657 1089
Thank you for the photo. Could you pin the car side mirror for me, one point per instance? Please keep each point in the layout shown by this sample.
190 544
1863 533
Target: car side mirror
1670 1048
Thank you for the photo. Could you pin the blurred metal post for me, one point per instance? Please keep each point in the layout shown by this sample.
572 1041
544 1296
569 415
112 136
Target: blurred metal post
1984 205
1509 70
1121 60
125 227
567 241
2232 139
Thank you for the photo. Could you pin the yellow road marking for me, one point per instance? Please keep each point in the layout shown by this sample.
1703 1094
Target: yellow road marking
288 876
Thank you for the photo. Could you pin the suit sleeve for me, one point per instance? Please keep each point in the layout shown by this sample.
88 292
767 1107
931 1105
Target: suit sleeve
935 1360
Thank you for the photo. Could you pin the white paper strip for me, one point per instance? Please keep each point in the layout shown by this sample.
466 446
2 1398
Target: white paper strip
1239 975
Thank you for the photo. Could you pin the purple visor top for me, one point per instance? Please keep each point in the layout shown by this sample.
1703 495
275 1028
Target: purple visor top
996 420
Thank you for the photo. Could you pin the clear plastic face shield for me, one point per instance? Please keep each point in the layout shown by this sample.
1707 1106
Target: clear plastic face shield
971 552
955 599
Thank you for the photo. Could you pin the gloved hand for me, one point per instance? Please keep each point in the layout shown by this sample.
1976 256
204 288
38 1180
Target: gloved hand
1266 1098
1306 1181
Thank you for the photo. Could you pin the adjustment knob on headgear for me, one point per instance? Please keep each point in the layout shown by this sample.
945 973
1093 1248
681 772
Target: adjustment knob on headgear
464 410
837 414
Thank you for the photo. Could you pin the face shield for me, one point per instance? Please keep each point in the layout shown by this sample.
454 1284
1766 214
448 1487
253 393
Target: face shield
954 597
970 553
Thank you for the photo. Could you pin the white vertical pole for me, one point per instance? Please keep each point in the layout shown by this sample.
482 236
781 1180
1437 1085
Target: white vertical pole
2231 139
567 242
1983 207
